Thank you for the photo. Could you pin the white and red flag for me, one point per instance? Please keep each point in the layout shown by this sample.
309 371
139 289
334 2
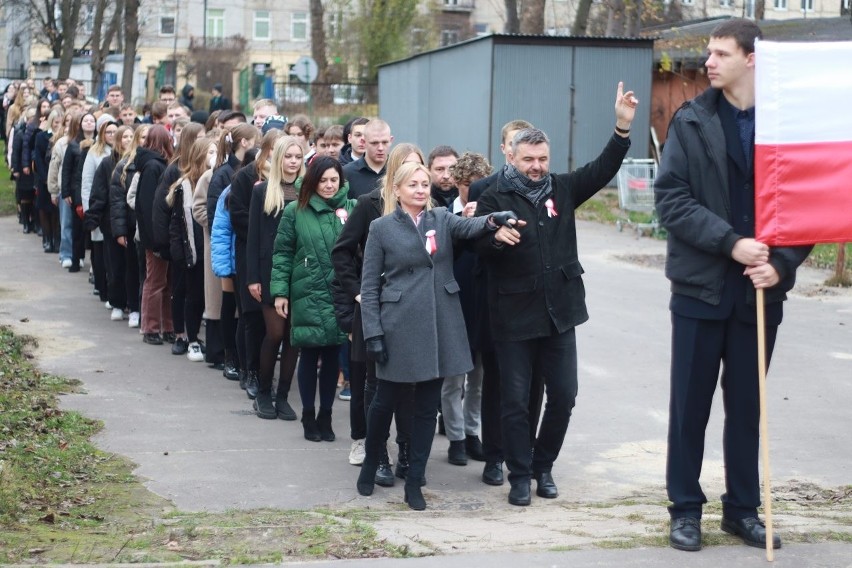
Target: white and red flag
803 142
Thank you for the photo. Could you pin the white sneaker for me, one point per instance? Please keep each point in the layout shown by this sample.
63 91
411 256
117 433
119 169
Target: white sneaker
133 319
193 352
66 263
107 305
357 453
117 314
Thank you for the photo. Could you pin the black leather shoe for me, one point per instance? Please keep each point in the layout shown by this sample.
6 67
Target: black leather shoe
456 454
251 384
230 371
751 530
492 473
180 346
519 494
473 447
545 486
152 339
384 475
685 534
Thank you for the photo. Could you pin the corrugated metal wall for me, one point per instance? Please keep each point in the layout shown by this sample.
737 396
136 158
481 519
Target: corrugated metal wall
533 83
463 95
598 71
439 98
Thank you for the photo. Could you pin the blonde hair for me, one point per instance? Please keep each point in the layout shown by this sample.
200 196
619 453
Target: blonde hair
267 143
402 175
274 200
131 152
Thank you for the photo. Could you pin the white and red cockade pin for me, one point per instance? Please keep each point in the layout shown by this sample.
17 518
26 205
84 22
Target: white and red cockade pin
342 214
551 208
431 243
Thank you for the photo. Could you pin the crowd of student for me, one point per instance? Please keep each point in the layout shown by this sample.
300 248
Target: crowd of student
249 235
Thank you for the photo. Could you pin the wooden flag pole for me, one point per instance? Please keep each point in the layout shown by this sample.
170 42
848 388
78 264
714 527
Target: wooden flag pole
764 422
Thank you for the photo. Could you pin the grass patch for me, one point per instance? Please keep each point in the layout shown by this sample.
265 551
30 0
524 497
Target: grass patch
64 501
7 191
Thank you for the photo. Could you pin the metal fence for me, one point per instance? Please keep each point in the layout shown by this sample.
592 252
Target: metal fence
327 102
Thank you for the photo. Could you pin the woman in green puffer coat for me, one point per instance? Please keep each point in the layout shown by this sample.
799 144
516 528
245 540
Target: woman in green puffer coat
302 273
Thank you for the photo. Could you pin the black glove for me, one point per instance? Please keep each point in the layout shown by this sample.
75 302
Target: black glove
501 218
376 349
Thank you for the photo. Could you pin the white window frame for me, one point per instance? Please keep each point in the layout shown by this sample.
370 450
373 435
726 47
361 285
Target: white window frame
449 37
215 18
88 18
725 3
687 2
165 16
260 18
780 5
807 5
299 19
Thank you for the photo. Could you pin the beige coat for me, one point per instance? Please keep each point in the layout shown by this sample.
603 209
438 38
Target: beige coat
212 284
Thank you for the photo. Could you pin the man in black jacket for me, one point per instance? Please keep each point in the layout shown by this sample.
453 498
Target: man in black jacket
536 292
705 199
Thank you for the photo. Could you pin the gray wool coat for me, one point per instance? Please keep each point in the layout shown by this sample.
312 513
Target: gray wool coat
412 298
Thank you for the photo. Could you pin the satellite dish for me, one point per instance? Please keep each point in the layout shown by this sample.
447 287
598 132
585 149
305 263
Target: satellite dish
306 69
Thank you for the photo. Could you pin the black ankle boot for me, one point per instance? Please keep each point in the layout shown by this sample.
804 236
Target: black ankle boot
384 473
402 460
243 378
309 423
324 425
367 478
414 496
251 384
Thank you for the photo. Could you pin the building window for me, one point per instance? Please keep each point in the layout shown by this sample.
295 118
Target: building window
334 20
262 25
780 4
749 9
807 5
725 3
299 26
846 5
167 25
89 18
216 23
449 37
687 2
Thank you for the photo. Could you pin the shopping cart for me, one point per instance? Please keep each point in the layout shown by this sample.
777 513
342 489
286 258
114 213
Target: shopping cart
636 195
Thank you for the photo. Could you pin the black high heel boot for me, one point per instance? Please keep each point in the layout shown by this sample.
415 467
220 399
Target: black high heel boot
414 496
402 460
367 478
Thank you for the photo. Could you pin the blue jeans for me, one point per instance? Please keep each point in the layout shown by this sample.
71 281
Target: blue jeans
66 221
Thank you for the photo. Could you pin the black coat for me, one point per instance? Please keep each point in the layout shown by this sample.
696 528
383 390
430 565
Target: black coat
263 228
151 167
97 215
41 164
25 183
239 202
536 285
220 179
162 212
72 172
347 257
694 205
183 229
122 219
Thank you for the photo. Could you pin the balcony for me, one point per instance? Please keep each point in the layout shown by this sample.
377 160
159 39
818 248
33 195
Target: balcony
233 43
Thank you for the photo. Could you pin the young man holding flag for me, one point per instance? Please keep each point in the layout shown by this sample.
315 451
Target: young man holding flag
705 200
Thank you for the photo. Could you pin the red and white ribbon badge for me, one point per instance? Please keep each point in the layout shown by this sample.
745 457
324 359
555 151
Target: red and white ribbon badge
342 214
431 244
551 209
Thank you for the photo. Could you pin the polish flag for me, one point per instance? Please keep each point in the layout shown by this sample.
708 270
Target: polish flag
803 143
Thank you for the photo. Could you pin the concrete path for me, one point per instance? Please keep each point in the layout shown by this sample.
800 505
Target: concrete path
197 442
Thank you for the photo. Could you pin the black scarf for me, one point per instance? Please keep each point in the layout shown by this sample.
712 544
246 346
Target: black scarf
533 191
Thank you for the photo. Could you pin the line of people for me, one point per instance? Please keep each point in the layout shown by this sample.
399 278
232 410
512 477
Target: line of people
281 242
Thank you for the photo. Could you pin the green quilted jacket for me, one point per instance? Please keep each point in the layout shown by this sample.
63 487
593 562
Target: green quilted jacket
302 270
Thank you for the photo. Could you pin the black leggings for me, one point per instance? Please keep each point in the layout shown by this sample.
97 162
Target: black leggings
308 379
229 326
277 333
362 383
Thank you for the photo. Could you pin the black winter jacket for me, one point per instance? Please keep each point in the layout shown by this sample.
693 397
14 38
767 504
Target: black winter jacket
151 167
220 179
239 201
97 215
162 212
536 285
183 230
122 219
693 202
72 172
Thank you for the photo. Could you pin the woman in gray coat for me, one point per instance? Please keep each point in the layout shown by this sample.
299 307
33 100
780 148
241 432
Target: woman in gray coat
411 315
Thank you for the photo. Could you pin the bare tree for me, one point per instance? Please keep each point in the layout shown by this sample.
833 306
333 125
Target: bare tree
321 93
131 39
532 17
42 15
513 24
101 39
581 20
69 18
615 18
